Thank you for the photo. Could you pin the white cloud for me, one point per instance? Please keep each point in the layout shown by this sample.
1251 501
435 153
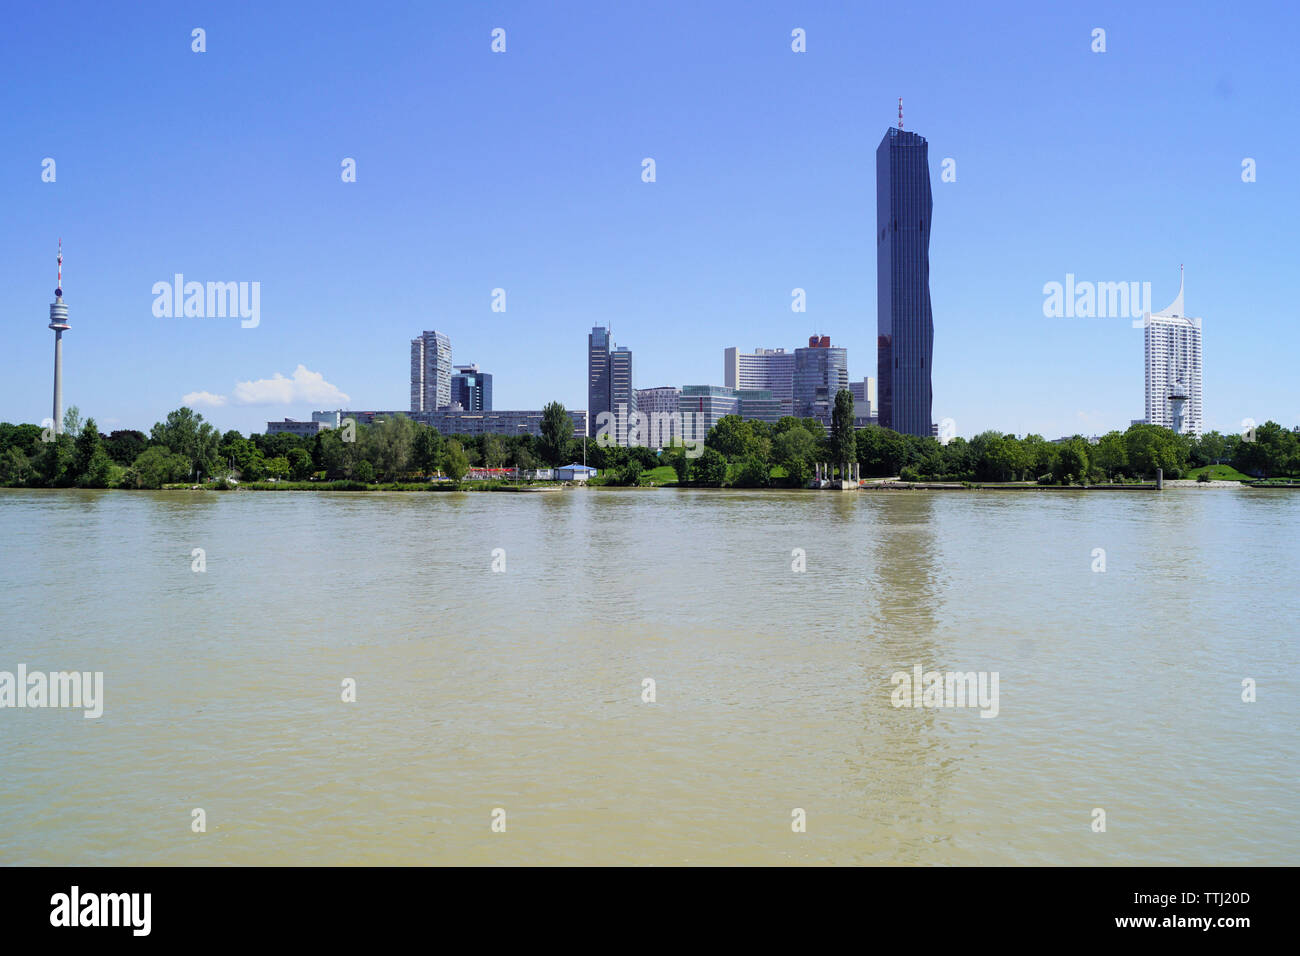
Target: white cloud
203 398
304 388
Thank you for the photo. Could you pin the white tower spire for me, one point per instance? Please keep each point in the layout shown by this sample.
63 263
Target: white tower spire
59 323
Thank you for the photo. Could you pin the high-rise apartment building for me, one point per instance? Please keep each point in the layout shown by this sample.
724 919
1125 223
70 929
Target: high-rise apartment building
770 369
471 389
430 372
1173 367
820 372
904 322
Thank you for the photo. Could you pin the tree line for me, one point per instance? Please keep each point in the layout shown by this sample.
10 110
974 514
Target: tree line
737 452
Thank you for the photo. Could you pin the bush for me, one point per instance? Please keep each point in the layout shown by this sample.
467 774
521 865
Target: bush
908 473
754 473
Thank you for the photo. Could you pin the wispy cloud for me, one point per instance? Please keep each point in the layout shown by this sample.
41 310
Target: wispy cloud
194 399
304 387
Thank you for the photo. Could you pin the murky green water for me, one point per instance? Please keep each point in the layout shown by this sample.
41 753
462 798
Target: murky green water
522 689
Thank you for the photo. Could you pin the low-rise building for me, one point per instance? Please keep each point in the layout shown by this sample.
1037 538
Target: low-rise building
290 427
460 421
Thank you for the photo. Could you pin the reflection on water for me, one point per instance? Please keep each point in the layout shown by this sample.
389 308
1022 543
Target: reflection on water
522 689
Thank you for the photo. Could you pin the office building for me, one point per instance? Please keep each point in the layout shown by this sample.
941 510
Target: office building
770 369
471 389
622 396
1173 368
820 372
701 406
864 402
661 408
609 385
430 372
904 322
599 345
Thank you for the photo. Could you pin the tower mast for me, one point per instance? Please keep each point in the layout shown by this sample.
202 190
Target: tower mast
59 323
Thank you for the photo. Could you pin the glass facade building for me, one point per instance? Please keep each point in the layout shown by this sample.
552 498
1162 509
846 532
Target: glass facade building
771 369
702 405
471 389
820 372
904 322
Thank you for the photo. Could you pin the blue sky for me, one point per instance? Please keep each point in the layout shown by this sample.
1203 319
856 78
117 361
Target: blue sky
522 171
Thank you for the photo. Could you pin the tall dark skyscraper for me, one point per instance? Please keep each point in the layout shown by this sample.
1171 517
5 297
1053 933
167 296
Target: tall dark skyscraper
904 323
599 344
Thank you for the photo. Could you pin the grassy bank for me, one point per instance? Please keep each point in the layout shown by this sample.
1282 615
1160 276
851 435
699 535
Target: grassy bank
1218 473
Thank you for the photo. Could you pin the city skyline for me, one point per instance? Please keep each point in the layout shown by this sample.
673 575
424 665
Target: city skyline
735 220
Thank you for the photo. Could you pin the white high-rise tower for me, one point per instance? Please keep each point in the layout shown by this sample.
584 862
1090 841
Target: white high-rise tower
59 323
1173 361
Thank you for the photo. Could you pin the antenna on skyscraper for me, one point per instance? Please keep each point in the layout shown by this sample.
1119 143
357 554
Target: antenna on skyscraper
900 112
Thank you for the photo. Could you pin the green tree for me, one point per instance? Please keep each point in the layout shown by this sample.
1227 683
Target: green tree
300 465
754 473
1072 461
91 463
426 451
1110 454
1211 448
364 471
557 432
710 468
843 439
494 451
675 457
732 436
454 460
793 450
155 467
185 433
629 473
15 468
1152 446
53 464
339 457
278 468
72 421
389 446
124 446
